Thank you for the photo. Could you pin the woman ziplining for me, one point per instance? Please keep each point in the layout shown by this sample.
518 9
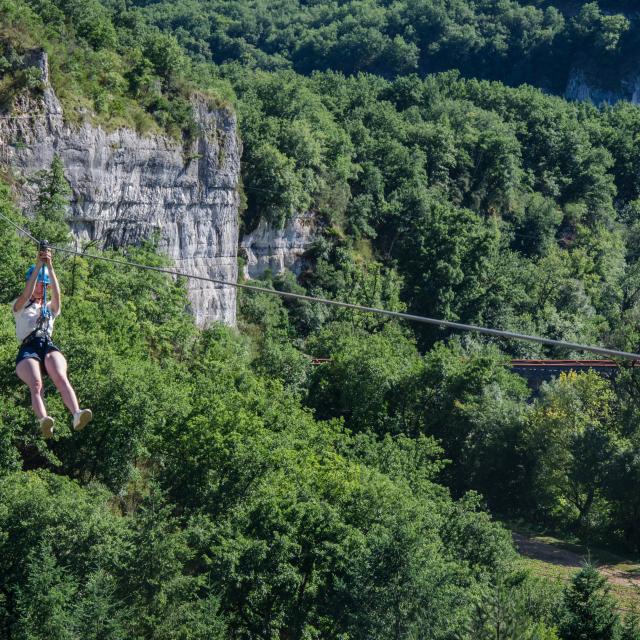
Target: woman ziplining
498 333
38 355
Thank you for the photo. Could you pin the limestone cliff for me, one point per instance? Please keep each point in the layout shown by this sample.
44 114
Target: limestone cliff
581 89
127 187
278 249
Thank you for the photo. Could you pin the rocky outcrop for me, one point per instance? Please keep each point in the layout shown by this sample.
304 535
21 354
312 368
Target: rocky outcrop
579 88
278 249
127 187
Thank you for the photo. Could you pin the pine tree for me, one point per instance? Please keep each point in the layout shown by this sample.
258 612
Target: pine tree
53 202
43 600
631 627
589 609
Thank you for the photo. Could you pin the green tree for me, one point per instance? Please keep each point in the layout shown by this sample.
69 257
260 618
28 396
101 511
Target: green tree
589 609
364 378
468 400
445 253
620 487
53 204
630 627
14 249
573 435
515 605
43 601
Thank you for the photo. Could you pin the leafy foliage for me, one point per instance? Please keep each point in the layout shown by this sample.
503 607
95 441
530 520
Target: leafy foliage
589 608
228 487
205 501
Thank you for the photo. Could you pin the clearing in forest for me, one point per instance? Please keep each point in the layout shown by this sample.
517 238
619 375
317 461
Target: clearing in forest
559 560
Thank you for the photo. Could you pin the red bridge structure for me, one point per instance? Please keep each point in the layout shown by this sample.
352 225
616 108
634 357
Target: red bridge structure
535 372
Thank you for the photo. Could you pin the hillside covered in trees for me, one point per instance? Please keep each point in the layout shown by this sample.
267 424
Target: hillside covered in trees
537 41
229 489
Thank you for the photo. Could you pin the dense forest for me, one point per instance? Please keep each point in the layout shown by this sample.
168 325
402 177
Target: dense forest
228 488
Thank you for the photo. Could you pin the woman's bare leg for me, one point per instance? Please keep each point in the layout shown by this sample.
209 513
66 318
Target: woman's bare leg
28 371
56 367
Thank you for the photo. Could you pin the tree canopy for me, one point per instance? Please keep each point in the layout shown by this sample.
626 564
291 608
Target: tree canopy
228 487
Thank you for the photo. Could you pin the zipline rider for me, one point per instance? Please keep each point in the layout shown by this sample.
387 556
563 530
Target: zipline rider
38 355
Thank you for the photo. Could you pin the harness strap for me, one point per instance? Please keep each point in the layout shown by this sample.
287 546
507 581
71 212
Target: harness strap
44 312
43 321
36 333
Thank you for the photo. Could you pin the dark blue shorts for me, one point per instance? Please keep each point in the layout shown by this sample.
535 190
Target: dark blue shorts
36 348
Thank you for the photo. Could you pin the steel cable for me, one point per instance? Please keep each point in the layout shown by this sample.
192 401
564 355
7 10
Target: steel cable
498 333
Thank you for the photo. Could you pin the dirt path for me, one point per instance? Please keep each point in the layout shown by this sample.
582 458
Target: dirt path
552 554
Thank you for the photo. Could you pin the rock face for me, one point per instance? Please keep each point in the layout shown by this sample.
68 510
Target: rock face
278 249
127 187
578 88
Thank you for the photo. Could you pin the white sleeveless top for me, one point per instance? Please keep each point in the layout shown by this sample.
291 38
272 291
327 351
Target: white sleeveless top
27 319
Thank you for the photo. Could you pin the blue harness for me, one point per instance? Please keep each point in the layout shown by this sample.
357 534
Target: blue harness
45 314
43 321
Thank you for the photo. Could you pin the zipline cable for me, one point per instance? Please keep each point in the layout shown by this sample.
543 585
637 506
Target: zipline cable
392 314
498 333
20 229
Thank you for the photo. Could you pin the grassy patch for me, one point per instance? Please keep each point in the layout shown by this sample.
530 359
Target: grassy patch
623 572
627 595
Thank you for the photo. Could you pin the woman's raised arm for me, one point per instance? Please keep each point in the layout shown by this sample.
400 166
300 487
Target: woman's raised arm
55 285
29 287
